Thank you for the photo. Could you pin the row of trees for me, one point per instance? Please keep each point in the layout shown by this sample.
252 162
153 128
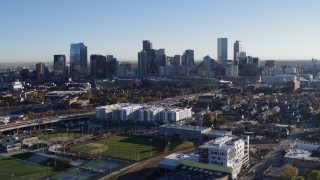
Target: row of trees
289 172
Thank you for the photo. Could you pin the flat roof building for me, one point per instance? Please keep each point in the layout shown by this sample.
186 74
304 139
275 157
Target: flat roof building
183 131
191 132
226 151
128 111
300 156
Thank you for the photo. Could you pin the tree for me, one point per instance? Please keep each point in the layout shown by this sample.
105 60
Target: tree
299 178
314 175
289 172
208 118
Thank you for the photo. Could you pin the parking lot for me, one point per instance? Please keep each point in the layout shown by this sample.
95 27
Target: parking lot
189 173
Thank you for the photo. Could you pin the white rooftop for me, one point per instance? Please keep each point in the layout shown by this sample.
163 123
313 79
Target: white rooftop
218 132
307 147
175 159
225 142
187 127
301 154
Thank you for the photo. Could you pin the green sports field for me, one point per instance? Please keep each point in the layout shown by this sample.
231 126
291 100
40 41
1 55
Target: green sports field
60 136
124 147
21 169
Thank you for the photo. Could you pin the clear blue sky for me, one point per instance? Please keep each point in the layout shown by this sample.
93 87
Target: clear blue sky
35 30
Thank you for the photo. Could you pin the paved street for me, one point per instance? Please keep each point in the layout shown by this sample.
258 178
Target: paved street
274 158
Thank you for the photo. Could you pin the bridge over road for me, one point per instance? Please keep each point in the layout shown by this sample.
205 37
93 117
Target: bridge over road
30 123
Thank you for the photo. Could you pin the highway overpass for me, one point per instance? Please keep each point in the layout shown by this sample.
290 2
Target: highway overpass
30 123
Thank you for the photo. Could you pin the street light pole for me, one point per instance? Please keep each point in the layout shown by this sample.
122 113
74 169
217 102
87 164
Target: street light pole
82 129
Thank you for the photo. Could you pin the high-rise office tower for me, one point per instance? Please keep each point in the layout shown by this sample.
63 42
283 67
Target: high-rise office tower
112 64
41 72
237 48
142 64
152 66
59 65
177 63
124 69
188 61
147 45
98 66
207 63
223 51
78 62
160 59
242 58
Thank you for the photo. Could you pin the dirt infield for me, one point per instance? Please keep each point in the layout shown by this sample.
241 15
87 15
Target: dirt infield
91 148
101 148
60 139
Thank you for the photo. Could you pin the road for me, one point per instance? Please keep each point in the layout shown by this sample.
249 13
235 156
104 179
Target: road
275 158
30 123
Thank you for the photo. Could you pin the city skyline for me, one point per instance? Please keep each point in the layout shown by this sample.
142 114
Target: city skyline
288 32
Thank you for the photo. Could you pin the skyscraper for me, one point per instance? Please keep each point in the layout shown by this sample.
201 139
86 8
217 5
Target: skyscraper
237 48
142 64
41 72
98 66
160 58
78 62
152 66
188 61
223 51
59 65
112 64
147 45
207 63
177 63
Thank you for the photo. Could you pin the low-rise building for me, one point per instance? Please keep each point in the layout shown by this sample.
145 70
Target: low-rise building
11 146
142 113
16 86
183 131
300 155
225 154
173 161
105 112
150 114
176 114
4 120
226 151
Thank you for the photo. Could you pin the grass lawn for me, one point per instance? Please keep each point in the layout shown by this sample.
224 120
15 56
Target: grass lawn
61 165
21 169
23 156
177 145
124 147
59 136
